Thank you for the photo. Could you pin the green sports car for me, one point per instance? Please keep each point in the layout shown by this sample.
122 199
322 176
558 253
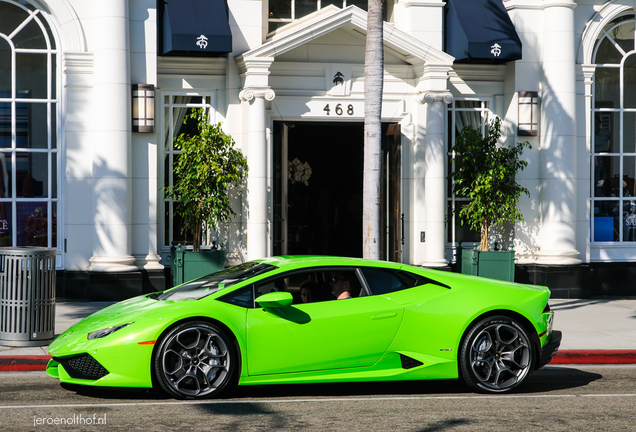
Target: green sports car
277 320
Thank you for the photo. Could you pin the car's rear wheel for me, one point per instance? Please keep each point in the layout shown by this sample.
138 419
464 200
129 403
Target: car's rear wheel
194 360
497 355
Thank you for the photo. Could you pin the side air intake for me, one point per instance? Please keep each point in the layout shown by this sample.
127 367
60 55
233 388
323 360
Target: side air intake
409 363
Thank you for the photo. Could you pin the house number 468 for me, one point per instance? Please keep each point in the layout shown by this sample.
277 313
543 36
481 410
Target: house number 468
339 110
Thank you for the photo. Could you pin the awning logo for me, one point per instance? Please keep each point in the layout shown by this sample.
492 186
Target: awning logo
495 50
202 42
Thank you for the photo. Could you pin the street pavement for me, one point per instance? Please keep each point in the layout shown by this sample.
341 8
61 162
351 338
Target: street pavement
595 331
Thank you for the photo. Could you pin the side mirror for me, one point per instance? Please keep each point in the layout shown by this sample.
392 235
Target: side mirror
277 299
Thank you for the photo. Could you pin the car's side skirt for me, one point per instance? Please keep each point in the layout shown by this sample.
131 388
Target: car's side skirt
390 368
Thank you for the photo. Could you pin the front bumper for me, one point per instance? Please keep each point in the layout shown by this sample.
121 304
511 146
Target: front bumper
550 349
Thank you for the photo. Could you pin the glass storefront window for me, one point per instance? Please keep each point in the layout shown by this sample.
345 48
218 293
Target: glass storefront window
176 108
462 113
28 116
613 155
282 12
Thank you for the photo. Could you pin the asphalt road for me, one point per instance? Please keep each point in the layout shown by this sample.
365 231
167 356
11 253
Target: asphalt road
581 398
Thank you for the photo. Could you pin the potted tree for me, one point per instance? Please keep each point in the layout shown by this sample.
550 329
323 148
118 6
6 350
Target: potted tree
205 172
485 173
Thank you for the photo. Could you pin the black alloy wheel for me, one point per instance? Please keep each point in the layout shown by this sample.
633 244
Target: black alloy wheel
194 360
497 355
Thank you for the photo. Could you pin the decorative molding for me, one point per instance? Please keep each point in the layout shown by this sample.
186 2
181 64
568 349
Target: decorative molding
555 257
477 73
351 18
537 4
594 27
559 3
421 3
523 4
110 264
249 94
148 262
77 63
435 96
409 129
586 72
62 16
254 72
191 66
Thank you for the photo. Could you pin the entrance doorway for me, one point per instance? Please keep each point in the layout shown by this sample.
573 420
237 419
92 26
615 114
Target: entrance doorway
318 189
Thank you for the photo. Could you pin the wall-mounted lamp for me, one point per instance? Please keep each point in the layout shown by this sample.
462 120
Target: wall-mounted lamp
143 108
528 114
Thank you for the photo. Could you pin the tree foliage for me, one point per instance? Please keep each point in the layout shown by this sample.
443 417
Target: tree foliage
485 172
205 172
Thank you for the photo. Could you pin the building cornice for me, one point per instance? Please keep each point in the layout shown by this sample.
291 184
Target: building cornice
191 65
421 3
537 4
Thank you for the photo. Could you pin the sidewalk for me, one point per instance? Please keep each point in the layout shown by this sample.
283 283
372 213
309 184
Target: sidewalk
36 358
595 331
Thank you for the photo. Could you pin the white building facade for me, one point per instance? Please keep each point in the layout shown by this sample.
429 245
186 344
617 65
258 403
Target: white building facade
286 80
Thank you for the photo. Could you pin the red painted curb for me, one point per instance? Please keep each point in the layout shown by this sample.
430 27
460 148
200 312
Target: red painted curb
24 363
595 357
38 363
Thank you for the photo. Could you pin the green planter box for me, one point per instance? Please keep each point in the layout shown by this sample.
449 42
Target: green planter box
186 265
491 264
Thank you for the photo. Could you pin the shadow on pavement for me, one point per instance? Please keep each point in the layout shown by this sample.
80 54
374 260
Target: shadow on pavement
542 381
558 378
116 392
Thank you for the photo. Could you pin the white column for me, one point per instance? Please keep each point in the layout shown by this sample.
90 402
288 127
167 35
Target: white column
256 149
422 19
435 178
112 196
145 186
558 136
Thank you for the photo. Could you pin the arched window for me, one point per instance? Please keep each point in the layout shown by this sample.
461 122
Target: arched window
613 156
28 118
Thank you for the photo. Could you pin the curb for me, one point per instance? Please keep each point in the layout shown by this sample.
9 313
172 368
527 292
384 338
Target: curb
594 357
24 363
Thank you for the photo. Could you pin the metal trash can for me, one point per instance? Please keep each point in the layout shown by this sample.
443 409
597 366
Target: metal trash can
27 296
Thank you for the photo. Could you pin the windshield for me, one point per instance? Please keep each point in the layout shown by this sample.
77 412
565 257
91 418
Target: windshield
202 287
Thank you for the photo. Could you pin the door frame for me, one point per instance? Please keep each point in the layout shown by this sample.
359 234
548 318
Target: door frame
392 219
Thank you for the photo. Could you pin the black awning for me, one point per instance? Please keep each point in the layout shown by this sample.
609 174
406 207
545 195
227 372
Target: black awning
194 27
480 30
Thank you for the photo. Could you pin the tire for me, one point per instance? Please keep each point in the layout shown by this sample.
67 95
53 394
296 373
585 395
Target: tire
497 355
194 360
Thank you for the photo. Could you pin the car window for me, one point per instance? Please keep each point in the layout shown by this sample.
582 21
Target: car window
243 297
305 286
383 281
202 287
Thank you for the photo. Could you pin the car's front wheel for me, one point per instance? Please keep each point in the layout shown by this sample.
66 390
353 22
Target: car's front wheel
497 355
194 360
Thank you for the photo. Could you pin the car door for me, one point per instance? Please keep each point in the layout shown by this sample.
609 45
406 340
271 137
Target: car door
325 335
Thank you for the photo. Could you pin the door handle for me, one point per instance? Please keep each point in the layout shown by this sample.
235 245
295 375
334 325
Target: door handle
384 315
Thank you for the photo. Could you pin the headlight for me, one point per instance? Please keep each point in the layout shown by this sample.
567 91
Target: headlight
105 332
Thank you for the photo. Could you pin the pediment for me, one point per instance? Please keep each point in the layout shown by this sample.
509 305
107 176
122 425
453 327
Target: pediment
346 27
338 46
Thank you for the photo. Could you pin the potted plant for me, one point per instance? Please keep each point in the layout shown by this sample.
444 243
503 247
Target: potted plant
485 173
205 172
